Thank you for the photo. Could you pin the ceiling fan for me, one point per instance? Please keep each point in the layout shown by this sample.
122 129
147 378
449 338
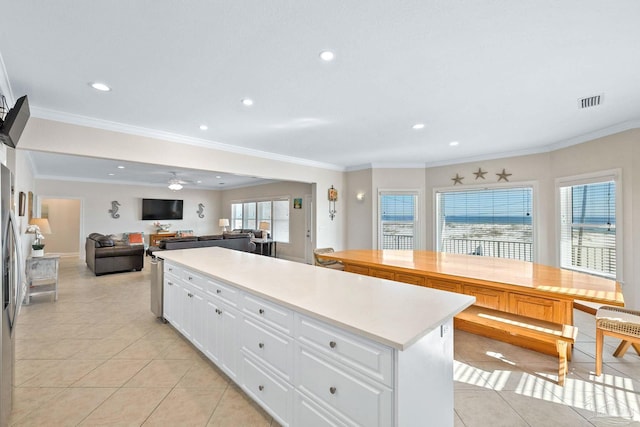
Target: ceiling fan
176 183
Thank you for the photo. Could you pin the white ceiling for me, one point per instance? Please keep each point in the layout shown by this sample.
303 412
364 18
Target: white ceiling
499 77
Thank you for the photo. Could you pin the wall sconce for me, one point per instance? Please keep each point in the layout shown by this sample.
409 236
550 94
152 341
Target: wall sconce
333 197
360 196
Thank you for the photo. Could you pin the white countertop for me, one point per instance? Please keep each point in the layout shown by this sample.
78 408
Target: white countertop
391 313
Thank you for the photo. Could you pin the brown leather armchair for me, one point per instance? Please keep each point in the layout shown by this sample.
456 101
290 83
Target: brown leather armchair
104 256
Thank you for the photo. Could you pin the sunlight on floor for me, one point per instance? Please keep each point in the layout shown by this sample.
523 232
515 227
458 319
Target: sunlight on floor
611 399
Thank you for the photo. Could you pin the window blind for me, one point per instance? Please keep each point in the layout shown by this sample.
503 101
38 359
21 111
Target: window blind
588 227
397 220
492 222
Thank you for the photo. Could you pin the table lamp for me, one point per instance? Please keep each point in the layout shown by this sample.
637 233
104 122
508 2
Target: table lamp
224 223
264 226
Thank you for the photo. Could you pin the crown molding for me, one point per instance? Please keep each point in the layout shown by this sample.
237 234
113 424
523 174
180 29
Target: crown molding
5 85
79 120
600 133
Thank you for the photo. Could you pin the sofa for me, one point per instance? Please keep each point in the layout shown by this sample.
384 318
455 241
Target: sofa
237 241
105 255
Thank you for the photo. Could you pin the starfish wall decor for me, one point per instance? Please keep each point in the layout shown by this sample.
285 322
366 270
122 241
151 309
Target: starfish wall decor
457 179
504 175
480 174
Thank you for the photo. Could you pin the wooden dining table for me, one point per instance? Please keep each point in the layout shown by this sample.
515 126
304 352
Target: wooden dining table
518 287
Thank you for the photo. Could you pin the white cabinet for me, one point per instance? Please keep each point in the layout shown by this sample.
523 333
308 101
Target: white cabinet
304 371
268 389
221 327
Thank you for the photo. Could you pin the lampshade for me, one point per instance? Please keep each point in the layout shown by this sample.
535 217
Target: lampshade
264 225
223 222
42 223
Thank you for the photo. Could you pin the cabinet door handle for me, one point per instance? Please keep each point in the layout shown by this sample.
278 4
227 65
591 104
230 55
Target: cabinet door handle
218 311
260 387
332 390
261 311
261 345
332 344
190 295
218 291
190 278
170 284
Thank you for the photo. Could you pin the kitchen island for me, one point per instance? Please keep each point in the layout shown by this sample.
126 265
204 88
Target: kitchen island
316 346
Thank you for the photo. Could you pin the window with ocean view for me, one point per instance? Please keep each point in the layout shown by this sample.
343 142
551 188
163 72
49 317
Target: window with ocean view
588 227
398 220
490 222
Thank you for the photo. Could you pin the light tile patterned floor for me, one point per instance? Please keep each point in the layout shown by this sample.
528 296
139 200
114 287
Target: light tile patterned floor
99 357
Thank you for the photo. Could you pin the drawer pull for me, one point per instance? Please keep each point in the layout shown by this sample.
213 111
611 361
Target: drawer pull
218 291
170 284
218 311
332 390
190 278
332 344
190 295
170 269
260 387
261 345
261 311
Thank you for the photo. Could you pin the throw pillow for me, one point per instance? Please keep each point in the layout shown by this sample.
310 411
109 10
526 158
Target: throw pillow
135 238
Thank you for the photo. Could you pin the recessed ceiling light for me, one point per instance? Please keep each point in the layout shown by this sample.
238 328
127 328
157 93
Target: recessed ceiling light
327 55
111 174
247 102
199 181
418 126
454 143
218 177
204 127
120 167
100 86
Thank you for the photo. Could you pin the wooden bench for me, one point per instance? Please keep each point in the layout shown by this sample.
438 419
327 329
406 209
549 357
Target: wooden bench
522 331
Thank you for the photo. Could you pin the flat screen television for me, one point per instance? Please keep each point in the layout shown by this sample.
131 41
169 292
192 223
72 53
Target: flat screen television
13 124
157 209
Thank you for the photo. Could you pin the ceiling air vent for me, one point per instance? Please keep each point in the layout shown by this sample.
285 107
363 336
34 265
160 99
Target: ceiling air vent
591 101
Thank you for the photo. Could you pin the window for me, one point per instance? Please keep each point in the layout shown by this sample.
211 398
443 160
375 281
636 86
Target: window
398 220
248 215
492 222
588 227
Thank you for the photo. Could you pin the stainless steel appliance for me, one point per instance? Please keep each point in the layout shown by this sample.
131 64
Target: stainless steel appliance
11 292
157 282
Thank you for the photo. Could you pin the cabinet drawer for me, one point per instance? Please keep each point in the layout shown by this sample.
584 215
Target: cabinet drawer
369 358
444 285
194 279
172 270
362 402
274 394
411 279
382 274
356 269
228 294
489 298
309 414
269 346
278 317
539 308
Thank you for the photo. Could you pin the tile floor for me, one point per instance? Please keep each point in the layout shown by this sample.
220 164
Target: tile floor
99 357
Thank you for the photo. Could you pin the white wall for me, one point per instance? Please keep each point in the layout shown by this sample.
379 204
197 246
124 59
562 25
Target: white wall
96 201
294 250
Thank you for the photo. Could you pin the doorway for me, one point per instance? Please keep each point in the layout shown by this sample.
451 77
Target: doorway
64 220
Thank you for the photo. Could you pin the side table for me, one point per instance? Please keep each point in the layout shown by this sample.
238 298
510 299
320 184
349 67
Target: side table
265 246
42 276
